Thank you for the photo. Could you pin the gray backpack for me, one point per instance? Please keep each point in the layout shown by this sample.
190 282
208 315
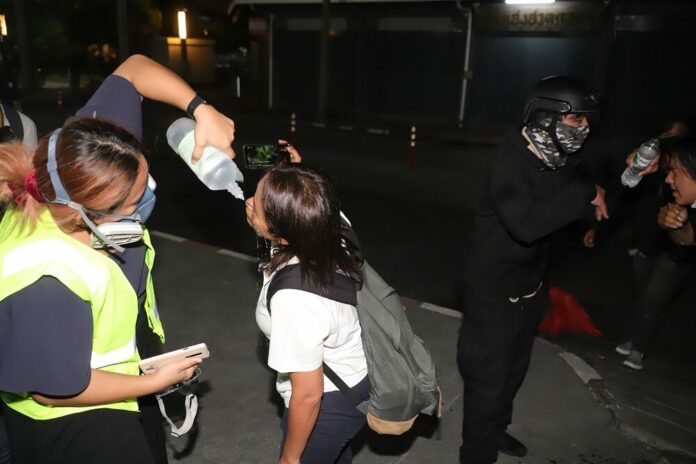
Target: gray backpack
403 380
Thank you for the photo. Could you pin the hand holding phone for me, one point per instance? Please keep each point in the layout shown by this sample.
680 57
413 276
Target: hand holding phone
150 365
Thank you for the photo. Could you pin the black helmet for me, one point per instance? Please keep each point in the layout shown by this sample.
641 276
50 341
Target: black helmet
560 95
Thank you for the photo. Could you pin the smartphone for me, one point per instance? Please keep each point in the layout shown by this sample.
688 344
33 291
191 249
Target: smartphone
150 365
265 155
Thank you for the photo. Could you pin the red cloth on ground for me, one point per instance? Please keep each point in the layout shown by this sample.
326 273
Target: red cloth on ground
567 314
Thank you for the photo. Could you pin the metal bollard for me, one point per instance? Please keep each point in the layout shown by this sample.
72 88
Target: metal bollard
293 129
60 102
411 158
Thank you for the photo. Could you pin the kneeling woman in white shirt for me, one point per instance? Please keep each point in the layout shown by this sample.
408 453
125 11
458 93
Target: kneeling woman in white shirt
298 208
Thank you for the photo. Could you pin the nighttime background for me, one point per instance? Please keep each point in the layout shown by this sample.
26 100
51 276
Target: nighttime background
358 77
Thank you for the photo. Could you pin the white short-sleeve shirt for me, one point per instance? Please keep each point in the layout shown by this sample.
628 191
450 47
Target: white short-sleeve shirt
306 329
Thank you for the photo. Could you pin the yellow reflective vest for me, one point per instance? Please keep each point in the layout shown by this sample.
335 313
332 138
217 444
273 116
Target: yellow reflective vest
92 276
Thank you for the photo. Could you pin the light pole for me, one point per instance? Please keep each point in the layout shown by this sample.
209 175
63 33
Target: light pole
181 17
3 26
3 34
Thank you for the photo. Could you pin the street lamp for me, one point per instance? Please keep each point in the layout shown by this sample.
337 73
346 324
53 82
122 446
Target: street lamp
3 26
181 19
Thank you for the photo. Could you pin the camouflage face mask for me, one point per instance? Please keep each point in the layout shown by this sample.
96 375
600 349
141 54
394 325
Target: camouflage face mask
571 138
546 147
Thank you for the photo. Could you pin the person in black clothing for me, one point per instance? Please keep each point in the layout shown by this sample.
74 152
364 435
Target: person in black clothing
665 264
535 188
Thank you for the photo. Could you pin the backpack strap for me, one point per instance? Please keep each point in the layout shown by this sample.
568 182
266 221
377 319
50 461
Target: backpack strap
341 385
342 290
13 118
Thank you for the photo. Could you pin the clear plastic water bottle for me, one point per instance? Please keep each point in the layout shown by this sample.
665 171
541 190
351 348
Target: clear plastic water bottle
215 169
647 152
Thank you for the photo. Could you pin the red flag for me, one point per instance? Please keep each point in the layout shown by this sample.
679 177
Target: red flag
567 314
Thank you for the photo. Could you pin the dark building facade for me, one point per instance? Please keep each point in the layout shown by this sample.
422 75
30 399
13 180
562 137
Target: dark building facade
465 63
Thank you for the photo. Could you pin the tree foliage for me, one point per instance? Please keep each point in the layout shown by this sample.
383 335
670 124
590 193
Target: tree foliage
71 30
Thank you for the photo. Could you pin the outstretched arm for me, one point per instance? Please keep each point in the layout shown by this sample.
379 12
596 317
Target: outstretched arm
108 387
156 82
527 217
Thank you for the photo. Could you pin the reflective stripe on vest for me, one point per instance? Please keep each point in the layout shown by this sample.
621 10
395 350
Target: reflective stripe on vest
153 319
117 356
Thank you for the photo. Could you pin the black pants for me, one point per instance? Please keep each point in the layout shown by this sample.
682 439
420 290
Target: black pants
4 444
338 422
659 279
152 421
103 436
494 348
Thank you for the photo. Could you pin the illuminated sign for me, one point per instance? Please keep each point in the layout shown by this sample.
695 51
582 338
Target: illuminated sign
557 17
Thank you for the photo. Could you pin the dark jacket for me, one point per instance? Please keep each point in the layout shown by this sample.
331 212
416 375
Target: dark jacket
524 202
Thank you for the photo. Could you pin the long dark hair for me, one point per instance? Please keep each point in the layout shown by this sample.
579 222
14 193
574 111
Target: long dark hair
301 206
682 148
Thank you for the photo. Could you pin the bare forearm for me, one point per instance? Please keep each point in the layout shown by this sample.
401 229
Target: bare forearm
106 387
302 416
156 82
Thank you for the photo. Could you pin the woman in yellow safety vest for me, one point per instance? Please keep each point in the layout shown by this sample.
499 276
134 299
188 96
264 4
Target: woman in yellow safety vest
77 305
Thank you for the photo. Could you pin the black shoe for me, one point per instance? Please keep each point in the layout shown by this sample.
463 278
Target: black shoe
512 446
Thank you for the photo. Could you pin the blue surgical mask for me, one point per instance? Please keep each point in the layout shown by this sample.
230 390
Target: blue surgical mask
147 202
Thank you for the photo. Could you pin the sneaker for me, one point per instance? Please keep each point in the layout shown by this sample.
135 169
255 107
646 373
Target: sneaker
624 348
634 360
512 446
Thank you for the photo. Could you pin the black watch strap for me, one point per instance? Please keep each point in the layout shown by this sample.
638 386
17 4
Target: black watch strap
195 103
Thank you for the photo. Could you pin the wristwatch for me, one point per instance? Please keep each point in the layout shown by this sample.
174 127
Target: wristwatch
195 103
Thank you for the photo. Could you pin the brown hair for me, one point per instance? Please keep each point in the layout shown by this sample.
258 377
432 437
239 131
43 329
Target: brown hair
301 206
97 162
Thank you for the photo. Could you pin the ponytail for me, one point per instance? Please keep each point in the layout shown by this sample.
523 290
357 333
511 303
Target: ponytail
18 187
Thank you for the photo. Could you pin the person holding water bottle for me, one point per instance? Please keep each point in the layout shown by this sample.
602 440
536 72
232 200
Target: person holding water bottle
665 264
77 306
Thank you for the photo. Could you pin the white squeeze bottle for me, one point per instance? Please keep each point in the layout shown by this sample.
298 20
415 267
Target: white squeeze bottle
215 169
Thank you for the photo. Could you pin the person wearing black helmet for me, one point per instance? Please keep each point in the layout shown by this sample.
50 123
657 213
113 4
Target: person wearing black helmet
535 187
